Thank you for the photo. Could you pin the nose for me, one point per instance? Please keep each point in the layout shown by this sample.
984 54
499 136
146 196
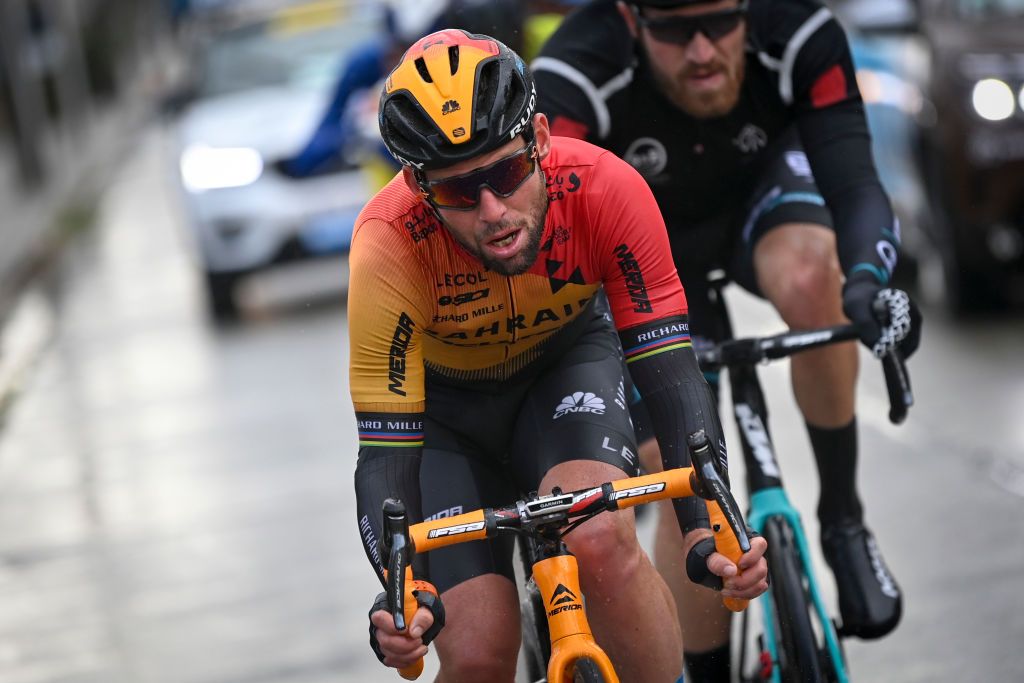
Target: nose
491 207
700 49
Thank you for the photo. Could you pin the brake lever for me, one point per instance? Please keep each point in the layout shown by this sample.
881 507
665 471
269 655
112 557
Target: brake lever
400 554
710 486
723 510
396 529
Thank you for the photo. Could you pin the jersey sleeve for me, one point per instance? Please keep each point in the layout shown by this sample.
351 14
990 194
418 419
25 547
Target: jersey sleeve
817 81
822 70
835 135
636 265
386 313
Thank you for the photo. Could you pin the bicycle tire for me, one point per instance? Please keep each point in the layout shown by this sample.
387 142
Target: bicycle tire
534 624
586 670
798 651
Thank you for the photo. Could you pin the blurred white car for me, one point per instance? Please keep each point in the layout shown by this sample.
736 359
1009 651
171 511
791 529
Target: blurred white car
260 90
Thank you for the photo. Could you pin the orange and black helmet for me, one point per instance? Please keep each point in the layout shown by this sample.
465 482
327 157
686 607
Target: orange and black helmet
454 96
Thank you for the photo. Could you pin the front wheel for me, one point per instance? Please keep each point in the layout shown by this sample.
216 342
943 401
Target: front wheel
799 659
587 671
536 636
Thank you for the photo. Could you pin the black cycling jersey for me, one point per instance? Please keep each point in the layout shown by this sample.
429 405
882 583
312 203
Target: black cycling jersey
593 82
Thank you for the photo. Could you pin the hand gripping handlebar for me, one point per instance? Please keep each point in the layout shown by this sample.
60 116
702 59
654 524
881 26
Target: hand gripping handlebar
897 380
401 601
727 523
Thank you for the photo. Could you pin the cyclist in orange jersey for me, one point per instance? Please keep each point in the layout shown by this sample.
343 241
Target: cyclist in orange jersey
486 362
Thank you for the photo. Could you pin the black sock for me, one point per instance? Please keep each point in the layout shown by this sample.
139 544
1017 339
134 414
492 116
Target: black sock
835 450
708 667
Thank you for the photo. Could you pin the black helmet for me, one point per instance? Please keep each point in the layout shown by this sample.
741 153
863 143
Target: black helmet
454 96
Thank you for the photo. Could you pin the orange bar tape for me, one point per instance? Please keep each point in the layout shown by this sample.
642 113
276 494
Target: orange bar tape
674 483
437 533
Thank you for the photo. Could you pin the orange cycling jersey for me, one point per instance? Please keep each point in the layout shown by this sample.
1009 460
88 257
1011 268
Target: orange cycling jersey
418 301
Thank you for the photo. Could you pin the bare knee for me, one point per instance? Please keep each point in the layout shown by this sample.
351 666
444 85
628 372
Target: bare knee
607 550
798 271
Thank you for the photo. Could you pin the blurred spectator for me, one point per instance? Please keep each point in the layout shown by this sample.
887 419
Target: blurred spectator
404 22
543 18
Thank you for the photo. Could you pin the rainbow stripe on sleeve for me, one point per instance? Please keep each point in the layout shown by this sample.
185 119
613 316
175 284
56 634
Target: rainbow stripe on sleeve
677 341
403 439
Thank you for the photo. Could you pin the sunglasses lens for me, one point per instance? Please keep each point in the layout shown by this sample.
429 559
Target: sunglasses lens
503 178
506 177
681 30
455 194
717 26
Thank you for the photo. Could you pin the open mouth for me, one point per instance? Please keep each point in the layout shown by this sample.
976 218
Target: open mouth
506 243
506 240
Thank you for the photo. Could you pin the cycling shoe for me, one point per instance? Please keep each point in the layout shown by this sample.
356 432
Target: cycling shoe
870 601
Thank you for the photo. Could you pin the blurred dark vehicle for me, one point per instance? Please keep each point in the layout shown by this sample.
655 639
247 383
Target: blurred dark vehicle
261 82
974 155
970 142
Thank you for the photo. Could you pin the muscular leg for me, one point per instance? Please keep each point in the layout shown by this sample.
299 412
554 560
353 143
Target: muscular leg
480 640
629 606
798 272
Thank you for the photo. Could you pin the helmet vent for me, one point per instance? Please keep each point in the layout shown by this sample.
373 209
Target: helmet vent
453 58
487 86
421 66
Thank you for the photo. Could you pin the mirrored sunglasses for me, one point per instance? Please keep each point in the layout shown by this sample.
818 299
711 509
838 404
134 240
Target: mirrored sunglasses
681 30
503 178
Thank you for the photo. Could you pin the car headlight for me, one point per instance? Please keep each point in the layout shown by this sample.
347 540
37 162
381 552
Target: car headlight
214 168
993 99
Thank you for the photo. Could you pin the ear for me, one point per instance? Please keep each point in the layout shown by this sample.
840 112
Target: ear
626 12
542 134
410 181
414 187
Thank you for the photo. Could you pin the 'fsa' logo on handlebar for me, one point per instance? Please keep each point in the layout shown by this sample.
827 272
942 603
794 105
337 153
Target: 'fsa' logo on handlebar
638 491
455 530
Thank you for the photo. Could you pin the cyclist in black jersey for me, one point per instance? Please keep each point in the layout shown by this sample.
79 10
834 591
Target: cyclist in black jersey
745 119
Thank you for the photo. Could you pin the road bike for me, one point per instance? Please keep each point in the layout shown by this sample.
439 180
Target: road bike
799 641
554 600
